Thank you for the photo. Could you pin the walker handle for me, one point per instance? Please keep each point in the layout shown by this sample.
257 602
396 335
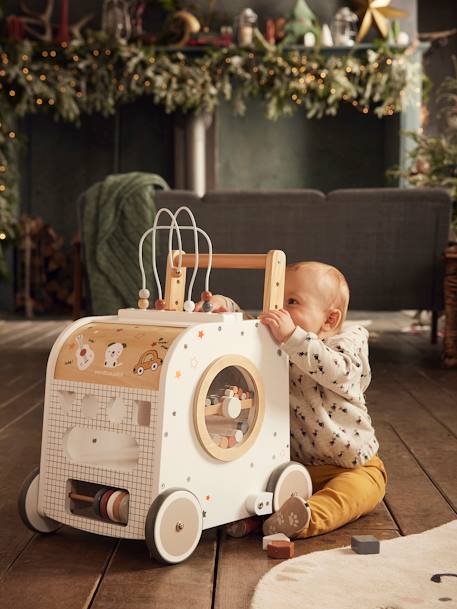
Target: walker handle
274 263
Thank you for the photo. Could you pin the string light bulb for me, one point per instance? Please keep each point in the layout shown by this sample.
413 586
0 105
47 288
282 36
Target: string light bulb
2 236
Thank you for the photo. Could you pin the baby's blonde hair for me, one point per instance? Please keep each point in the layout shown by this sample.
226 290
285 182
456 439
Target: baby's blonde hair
340 299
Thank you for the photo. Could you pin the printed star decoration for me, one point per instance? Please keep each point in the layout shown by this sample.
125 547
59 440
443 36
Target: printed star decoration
377 12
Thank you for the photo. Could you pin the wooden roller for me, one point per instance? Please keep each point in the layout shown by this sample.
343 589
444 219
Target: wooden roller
116 511
217 408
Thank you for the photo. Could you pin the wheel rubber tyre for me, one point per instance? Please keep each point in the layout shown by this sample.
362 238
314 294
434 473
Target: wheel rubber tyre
174 526
28 506
289 479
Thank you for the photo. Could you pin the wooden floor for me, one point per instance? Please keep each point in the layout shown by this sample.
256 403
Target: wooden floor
413 403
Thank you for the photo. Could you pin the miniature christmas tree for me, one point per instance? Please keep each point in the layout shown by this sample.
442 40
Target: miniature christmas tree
301 21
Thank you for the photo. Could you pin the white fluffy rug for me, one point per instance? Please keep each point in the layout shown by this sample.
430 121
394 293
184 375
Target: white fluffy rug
397 578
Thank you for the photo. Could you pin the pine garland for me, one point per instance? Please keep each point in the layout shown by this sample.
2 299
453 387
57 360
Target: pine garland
97 75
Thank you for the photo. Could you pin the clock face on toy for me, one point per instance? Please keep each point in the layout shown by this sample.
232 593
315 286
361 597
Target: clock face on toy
229 407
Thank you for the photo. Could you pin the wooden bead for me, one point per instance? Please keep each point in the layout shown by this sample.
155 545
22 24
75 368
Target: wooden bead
144 293
159 304
206 296
207 306
143 303
189 306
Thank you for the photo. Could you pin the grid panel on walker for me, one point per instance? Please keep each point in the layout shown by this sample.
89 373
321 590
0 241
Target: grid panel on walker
161 423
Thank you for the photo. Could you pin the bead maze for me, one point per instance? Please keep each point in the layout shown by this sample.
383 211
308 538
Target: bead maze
160 423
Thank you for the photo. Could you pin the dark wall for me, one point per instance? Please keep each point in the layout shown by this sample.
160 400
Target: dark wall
61 161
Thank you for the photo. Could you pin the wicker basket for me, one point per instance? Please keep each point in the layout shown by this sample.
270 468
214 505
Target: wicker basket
450 307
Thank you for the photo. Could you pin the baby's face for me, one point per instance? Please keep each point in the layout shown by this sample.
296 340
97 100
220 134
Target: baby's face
306 298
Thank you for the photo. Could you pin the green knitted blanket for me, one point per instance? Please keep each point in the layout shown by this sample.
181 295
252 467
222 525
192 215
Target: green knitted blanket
115 214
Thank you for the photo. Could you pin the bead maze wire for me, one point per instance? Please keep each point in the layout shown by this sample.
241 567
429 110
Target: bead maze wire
172 228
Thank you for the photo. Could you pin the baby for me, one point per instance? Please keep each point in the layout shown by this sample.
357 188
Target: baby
331 431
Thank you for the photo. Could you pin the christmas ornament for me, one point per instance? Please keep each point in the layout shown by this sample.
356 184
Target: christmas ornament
403 39
247 21
137 10
326 36
15 28
344 27
116 20
18 24
180 27
43 20
270 31
309 39
64 32
422 165
376 12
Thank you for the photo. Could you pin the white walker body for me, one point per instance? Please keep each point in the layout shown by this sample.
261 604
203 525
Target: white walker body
159 424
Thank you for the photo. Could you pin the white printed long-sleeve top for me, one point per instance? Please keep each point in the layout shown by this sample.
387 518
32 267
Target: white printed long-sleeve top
328 377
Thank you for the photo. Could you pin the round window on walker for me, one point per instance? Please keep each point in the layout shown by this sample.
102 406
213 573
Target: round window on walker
229 407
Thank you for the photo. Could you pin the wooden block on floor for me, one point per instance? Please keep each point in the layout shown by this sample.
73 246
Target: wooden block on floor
275 537
281 549
365 544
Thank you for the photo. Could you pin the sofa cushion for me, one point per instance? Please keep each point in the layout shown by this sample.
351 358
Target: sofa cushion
388 242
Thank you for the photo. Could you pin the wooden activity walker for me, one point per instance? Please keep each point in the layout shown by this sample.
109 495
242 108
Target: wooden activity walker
160 423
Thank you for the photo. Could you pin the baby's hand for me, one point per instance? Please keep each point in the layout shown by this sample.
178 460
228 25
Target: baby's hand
279 323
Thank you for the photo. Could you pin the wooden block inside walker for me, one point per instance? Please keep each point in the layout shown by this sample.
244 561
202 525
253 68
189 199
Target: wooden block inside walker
365 544
281 549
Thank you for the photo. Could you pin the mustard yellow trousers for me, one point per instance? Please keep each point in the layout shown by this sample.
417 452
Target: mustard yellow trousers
342 495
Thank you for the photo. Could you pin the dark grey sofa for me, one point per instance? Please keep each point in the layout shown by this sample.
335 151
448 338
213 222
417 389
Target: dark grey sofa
388 242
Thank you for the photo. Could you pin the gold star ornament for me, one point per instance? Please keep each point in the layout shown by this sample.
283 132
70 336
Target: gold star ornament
376 12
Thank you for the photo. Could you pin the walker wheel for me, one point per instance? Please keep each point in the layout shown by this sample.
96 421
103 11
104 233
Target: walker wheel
289 479
173 526
28 506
